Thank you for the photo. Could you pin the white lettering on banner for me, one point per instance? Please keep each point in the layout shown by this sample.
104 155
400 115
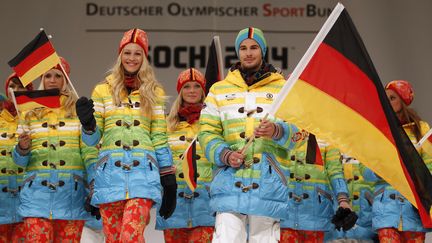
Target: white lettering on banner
175 9
94 9
87 34
310 10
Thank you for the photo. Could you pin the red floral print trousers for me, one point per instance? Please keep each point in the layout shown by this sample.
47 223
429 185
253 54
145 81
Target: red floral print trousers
42 230
301 236
202 234
125 221
392 235
12 233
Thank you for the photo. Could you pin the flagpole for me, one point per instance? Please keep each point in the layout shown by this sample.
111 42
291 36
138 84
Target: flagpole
423 139
12 95
65 74
249 143
219 55
69 81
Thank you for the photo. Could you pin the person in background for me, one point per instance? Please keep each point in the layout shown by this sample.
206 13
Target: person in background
316 176
192 221
55 160
135 162
361 198
11 225
393 217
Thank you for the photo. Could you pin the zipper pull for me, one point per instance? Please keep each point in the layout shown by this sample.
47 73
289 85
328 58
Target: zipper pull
127 194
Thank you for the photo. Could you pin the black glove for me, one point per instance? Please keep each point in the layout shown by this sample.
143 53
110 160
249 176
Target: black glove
169 197
344 218
94 211
84 110
338 218
349 221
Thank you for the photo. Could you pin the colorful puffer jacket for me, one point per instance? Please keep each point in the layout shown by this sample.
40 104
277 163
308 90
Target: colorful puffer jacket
192 208
10 174
233 110
312 188
390 209
361 197
54 184
133 149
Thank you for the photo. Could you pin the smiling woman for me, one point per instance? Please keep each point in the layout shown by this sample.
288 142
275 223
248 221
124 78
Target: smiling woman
135 159
132 57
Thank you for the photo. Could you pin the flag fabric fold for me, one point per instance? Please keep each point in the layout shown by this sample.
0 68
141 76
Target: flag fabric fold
34 59
336 94
189 165
28 100
214 69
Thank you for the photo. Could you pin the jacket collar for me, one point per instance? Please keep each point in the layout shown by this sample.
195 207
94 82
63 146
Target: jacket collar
234 77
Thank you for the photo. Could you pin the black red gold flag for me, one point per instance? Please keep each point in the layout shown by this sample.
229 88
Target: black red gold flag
28 100
189 166
336 94
34 59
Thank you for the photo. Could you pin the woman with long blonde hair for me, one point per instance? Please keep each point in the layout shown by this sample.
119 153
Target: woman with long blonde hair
55 160
393 217
135 161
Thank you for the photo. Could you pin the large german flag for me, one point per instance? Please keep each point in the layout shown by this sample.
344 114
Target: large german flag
34 59
335 93
214 69
28 100
189 166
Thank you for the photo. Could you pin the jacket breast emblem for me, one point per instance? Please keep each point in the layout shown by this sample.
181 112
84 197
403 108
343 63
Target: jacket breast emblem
230 96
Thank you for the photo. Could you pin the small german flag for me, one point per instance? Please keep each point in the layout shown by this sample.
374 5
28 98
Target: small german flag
34 59
313 152
28 100
189 166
